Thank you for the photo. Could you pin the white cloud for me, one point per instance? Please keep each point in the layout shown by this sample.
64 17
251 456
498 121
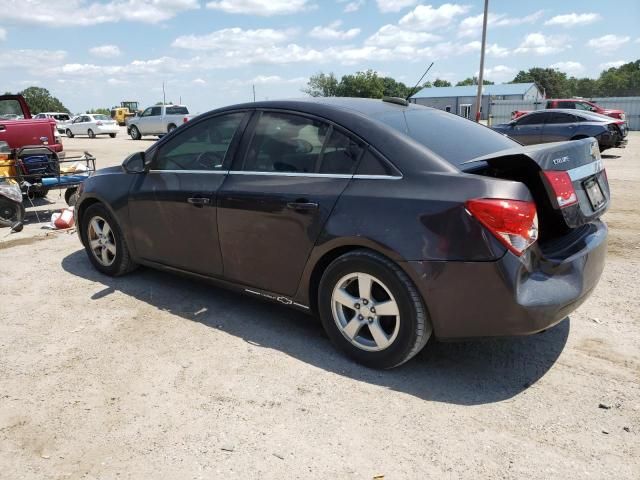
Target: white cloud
105 51
92 12
117 81
492 49
425 17
272 79
233 38
28 58
353 6
392 35
199 81
540 44
472 26
3 34
573 19
614 64
387 6
608 43
263 8
569 67
499 73
332 32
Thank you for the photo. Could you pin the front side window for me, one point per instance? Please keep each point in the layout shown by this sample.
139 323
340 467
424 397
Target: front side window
288 143
202 146
532 119
561 118
146 113
567 105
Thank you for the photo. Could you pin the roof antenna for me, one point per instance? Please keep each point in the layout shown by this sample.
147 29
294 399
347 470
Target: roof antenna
412 91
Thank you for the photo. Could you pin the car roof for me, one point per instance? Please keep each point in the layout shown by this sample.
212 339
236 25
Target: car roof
593 116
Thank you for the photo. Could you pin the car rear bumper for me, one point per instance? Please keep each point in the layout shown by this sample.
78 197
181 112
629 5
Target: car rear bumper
107 129
511 296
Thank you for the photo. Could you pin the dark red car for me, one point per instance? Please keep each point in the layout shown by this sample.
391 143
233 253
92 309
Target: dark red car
18 129
577 104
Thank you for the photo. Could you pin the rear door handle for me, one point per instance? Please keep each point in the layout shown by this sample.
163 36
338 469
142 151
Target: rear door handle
199 201
302 205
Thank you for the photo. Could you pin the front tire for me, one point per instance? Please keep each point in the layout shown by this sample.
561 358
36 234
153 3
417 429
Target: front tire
372 311
91 133
135 133
10 212
104 242
69 133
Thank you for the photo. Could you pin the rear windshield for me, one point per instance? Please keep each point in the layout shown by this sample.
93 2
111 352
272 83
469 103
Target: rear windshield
101 117
177 111
63 117
451 137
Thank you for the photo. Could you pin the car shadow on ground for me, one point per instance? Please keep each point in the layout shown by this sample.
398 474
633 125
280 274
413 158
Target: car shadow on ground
466 373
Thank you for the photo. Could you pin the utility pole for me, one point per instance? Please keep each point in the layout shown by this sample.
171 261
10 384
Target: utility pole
254 93
164 98
481 72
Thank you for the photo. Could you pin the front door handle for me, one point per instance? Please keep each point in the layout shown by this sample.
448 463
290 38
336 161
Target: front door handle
199 201
302 205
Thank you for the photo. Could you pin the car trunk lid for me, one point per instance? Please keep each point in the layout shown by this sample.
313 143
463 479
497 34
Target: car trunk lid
567 181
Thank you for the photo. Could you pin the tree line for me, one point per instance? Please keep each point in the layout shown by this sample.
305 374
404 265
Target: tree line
614 82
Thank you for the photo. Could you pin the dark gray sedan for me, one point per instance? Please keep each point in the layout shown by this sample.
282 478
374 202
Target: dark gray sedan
544 126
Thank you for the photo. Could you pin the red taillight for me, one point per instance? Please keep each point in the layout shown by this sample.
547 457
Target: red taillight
185 119
513 222
560 183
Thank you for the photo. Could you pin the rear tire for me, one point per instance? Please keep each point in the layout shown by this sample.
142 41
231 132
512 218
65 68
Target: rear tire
91 133
171 128
104 242
373 338
71 196
10 212
69 134
112 135
135 133
40 193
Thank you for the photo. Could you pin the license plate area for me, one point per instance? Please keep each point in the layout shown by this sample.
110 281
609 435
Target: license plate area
594 193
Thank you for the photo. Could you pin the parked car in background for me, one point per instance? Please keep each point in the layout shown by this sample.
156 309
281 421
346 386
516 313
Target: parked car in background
543 126
20 132
576 104
157 120
62 119
371 213
92 124
11 116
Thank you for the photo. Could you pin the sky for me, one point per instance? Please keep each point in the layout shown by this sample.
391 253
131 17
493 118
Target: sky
209 53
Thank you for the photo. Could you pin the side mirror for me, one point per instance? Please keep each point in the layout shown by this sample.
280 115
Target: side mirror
135 163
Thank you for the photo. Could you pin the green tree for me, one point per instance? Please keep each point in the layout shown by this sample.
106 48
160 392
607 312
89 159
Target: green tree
322 85
622 81
393 88
441 83
363 84
551 81
40 100
473 81
103 111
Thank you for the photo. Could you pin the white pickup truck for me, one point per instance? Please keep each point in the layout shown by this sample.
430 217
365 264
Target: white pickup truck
157 120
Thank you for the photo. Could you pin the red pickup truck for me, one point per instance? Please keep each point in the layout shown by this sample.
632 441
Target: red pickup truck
18 129
578 104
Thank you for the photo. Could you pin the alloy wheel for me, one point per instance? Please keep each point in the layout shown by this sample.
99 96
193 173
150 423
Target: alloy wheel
365 311
102 241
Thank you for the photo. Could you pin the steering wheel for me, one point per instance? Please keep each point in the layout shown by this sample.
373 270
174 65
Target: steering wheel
209 160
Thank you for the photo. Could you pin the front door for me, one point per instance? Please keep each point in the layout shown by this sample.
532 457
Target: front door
173 206
278 196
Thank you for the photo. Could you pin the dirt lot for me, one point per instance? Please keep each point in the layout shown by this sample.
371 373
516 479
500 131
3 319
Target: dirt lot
155 376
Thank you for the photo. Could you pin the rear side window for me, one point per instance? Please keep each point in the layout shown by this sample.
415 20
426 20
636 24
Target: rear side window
453 138
156 111
177 111
289 143
566 104
561 118
372 164
533 119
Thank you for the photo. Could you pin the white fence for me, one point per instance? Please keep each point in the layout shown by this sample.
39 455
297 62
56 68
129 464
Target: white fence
500 110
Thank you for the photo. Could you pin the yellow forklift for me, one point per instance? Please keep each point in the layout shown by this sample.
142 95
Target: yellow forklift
125 110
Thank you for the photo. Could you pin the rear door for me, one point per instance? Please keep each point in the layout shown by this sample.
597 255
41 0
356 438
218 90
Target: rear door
278 196
528 129
559 126
173 206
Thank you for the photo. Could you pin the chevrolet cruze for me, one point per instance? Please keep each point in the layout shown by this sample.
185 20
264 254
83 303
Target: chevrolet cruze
393 222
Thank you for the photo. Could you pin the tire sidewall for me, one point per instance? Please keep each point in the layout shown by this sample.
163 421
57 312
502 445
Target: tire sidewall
404 342
100 210
69 133
135 133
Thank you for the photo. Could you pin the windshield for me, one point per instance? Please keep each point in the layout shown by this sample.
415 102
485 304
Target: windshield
101 117
175 110
451 137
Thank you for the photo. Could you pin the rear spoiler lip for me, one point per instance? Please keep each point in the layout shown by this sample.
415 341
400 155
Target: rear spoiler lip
537 153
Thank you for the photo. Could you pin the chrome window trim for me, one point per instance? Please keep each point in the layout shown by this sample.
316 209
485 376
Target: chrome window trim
586 170
315 175
215 172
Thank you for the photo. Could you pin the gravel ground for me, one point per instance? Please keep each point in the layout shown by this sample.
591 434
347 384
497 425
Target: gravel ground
157 376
